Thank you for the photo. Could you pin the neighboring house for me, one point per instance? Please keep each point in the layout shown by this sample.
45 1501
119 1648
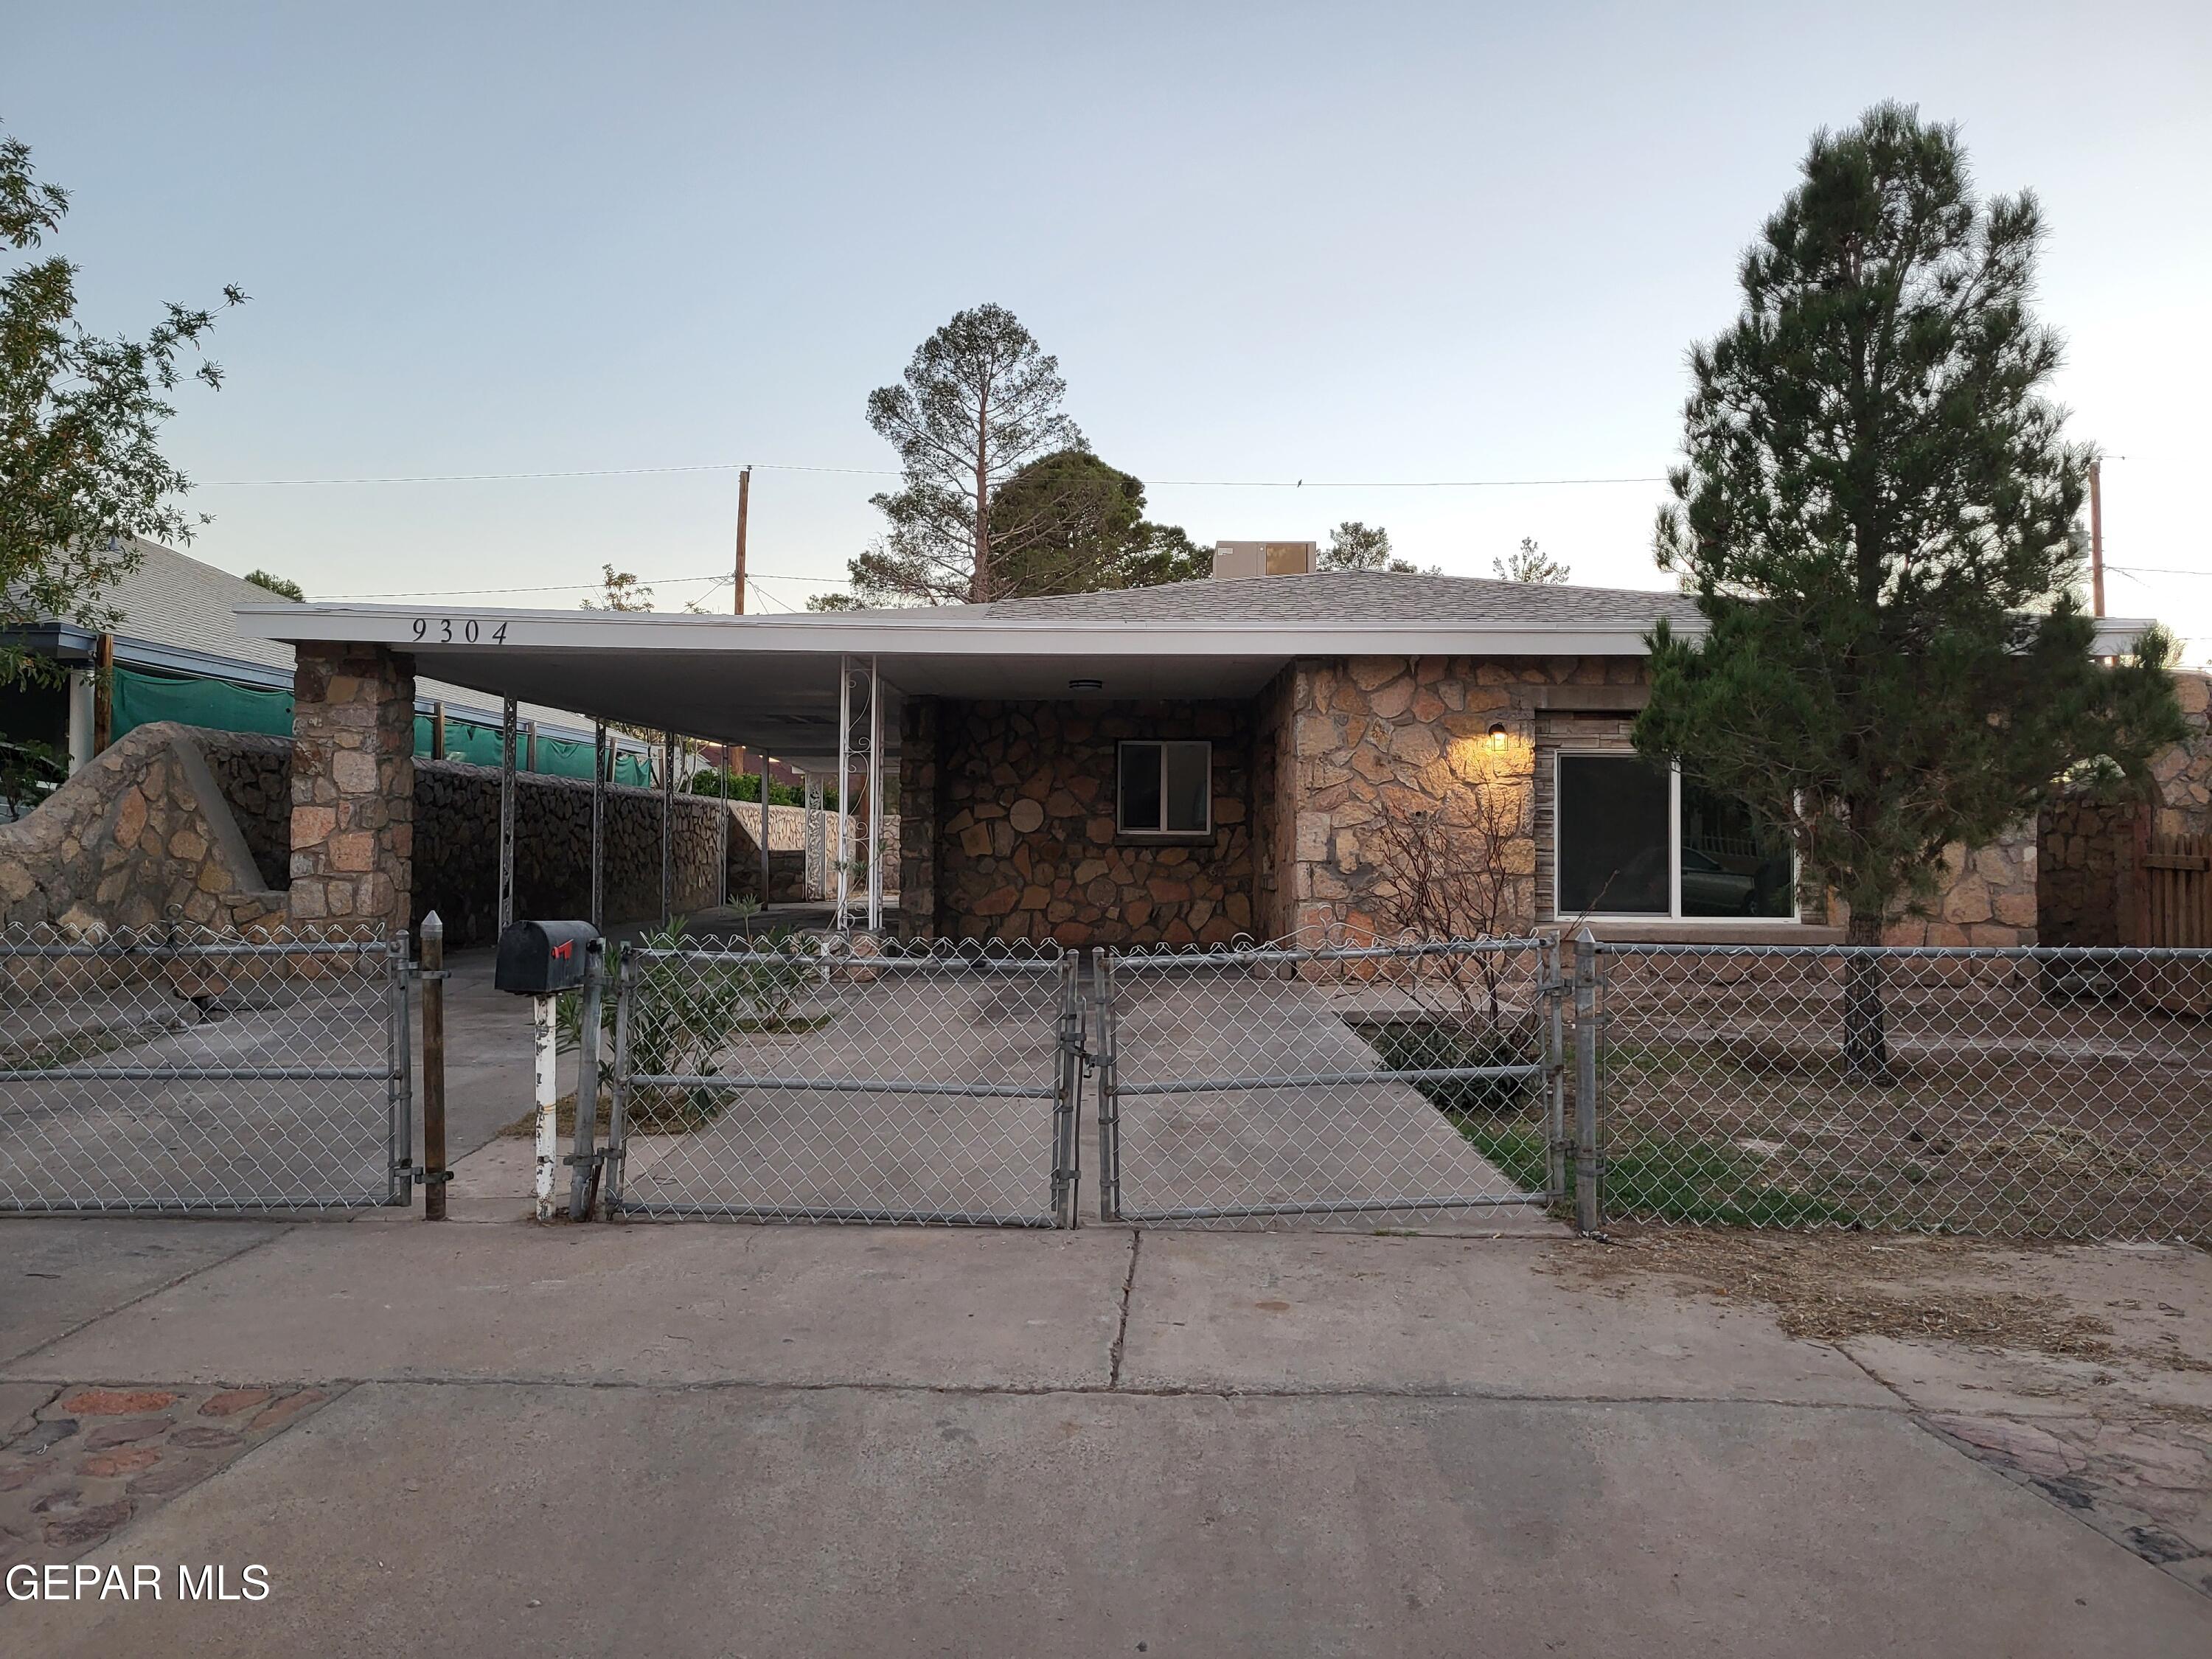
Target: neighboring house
180 655
1211 758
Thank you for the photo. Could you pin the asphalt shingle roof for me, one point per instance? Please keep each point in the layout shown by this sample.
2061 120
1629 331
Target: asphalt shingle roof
1359 596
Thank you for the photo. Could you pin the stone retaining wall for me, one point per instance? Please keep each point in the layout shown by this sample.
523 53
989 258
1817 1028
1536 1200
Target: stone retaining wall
139 836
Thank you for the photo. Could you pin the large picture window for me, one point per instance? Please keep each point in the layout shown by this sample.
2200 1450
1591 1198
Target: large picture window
1166 789
1635 840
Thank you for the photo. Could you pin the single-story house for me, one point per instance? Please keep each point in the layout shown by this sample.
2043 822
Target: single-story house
1252 754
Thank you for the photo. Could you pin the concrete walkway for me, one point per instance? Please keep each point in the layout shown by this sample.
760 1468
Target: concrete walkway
714 1439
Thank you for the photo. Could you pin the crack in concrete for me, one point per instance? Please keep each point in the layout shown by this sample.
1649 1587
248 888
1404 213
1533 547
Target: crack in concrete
189 1274
1039 1390
1121 1331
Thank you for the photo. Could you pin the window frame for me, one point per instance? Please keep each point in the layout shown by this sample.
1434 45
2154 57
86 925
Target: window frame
1672 915
1121 827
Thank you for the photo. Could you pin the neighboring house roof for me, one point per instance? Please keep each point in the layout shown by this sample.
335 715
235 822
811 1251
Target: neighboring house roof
180 615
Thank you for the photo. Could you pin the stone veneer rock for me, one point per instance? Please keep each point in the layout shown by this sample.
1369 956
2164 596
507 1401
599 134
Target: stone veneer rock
353 784
1008 824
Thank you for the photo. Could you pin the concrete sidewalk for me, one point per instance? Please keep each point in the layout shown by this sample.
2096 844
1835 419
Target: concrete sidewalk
742 1440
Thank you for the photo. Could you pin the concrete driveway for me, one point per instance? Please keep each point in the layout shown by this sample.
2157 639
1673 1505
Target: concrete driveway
510 1439
1354 1154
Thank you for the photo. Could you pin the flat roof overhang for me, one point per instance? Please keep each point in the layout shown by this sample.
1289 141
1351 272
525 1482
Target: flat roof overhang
770 682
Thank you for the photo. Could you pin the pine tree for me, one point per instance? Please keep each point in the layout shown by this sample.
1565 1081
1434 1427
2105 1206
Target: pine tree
1877 519
979 401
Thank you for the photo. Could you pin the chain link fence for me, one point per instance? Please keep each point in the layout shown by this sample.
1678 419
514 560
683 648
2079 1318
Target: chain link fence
2063 1094
846 1081
174 1069
1296 1085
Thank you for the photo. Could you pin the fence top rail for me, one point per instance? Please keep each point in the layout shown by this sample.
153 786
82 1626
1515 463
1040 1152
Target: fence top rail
2091 953
150 950
1039 962
1150 956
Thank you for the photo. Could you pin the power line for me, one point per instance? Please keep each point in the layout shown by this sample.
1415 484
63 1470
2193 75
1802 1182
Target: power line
716 578
579 472
883 472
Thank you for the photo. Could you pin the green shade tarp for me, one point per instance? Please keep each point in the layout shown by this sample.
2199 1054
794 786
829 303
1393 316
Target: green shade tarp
225 706
142 699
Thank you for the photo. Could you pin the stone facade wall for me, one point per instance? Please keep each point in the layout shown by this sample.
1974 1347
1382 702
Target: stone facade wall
1377 737
2085 870
353 784
1987 896
139 836
1008 820
1275 807
2183 773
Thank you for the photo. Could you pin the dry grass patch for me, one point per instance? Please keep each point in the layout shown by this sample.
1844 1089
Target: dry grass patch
1828 1287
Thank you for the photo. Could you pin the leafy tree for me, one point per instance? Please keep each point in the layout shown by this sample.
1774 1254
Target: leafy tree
979 402
1530 563
619 590
1068 523
1877 521
1356 546
82 473
283 586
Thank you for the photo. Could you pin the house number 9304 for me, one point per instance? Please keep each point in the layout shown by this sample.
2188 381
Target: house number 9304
444 630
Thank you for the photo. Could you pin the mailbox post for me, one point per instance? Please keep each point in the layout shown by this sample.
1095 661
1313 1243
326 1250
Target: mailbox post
540 960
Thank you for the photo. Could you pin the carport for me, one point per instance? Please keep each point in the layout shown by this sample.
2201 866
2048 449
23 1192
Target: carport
821 693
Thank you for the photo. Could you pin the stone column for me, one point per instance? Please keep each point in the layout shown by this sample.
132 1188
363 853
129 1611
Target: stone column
353 784
918 818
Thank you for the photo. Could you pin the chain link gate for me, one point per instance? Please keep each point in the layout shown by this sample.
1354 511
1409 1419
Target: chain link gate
1268 1083
848 1081
172 1069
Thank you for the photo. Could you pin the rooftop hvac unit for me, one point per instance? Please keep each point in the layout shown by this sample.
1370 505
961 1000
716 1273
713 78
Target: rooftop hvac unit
1263 558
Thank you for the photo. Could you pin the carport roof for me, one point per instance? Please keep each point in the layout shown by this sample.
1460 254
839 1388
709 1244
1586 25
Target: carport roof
770 681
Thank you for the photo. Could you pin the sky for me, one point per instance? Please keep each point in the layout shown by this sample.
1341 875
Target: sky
1377 248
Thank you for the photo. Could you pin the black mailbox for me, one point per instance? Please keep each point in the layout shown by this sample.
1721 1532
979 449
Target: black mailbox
537 958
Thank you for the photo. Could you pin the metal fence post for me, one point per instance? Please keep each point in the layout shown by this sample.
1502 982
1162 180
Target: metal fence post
548 1147
400 1047
1066 1170
434 1173
1109 1104
506 813
1587 1209
1555 1105
583 1161
618 1097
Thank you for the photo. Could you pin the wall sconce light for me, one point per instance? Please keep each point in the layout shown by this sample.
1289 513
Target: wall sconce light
1086 685
1498 735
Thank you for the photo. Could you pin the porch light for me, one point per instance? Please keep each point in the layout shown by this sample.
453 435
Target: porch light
1497 734
1086 685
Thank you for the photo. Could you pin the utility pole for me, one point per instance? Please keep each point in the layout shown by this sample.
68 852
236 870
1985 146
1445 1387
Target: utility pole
744 505
2096 538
